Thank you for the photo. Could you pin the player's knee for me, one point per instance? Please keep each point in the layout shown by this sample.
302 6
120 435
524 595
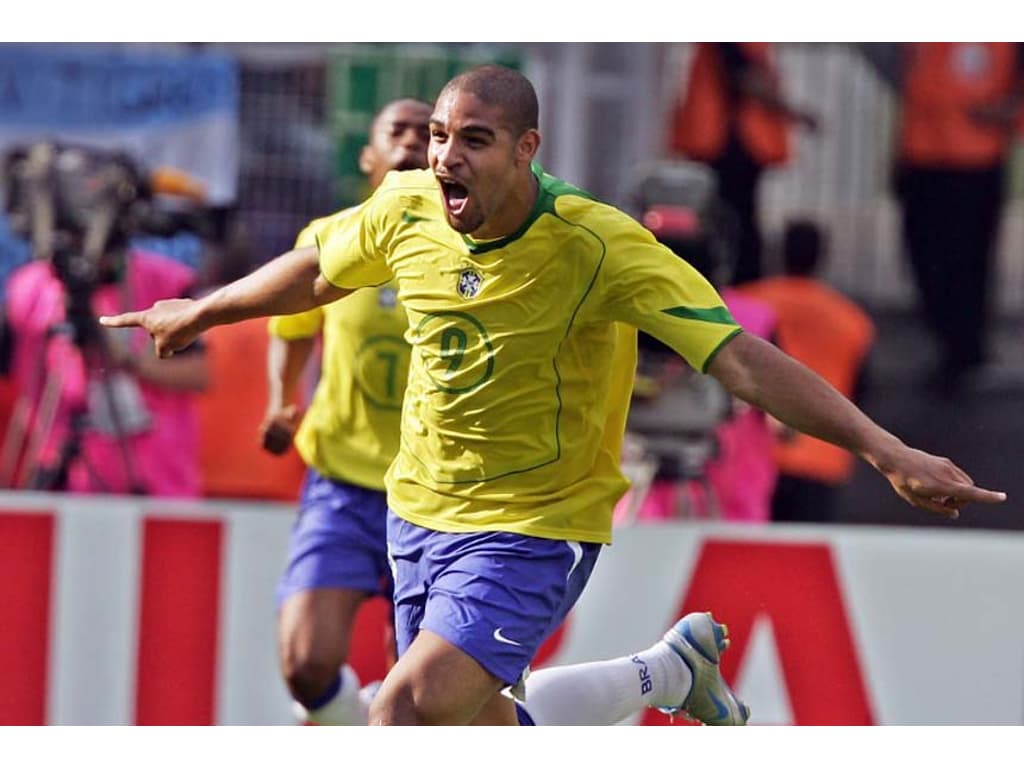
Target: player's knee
309 675
404 704
391 707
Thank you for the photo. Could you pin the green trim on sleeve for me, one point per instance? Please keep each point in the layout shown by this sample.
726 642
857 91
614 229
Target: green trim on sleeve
718 315
716 350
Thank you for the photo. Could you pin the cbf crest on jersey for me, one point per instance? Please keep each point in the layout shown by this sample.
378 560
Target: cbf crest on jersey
469 283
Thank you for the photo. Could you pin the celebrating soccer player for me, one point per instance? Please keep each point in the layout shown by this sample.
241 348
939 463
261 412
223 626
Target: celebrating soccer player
502 491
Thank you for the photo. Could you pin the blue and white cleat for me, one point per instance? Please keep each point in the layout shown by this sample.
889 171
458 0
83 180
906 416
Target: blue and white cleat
699 641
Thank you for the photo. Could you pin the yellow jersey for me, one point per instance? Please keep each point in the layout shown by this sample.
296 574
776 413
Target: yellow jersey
350 431
515 406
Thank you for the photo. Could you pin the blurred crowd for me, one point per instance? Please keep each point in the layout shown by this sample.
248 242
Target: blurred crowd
87 410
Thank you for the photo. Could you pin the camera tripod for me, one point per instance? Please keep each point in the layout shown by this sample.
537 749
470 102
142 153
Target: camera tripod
37 410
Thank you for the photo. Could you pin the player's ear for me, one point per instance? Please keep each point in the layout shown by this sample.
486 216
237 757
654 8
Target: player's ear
366 161
527 145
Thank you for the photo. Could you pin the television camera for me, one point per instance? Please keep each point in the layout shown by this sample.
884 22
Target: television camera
79 207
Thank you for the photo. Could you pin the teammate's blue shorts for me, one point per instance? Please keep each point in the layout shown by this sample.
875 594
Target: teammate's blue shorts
494 595
339 539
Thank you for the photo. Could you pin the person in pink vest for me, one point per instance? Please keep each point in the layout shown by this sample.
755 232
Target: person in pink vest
738 481
743 474
137 429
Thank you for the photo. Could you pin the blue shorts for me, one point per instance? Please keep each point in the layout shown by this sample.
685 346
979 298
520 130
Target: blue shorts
494 595
338 540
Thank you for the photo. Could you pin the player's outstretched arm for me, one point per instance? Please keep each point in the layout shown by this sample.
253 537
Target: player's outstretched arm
760 374
288 284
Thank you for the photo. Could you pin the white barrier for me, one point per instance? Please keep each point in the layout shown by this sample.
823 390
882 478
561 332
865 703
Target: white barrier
120 611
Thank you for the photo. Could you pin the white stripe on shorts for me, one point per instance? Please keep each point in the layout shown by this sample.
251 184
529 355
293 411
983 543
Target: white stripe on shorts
577 555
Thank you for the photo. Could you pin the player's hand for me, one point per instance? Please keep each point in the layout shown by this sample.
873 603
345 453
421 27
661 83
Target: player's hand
934 483
278 429
173 324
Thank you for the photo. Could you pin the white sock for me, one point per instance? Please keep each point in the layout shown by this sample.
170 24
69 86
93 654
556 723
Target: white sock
366 694
349 706
607 692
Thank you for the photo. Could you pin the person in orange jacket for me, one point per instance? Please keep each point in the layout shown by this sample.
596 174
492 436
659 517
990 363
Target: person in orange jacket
832 336
960 106
235 466
734 117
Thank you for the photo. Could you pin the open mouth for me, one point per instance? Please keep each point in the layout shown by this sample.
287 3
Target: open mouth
455 196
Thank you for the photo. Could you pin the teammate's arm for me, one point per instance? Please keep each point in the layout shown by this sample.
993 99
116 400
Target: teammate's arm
288 284
286 360
767 378
291 343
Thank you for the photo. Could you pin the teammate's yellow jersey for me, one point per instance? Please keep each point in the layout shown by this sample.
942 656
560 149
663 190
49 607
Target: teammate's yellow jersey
514 410
350 431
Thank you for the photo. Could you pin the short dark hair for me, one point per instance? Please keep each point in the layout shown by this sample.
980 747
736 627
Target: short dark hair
504 87
803 246
394 102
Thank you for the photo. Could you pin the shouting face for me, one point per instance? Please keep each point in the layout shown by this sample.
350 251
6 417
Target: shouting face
482 167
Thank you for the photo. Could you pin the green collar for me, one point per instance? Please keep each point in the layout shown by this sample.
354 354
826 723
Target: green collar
543 202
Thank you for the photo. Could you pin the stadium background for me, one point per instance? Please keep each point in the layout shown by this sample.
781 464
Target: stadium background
297 113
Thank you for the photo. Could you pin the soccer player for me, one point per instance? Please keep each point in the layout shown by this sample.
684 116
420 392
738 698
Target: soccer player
502 491
348 436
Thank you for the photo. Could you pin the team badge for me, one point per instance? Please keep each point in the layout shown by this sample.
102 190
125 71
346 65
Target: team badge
469 283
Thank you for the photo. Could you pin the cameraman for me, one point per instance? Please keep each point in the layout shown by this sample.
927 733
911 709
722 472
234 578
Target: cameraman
99 412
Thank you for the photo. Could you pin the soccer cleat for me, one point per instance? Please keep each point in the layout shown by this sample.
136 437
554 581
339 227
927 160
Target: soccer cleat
699 639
